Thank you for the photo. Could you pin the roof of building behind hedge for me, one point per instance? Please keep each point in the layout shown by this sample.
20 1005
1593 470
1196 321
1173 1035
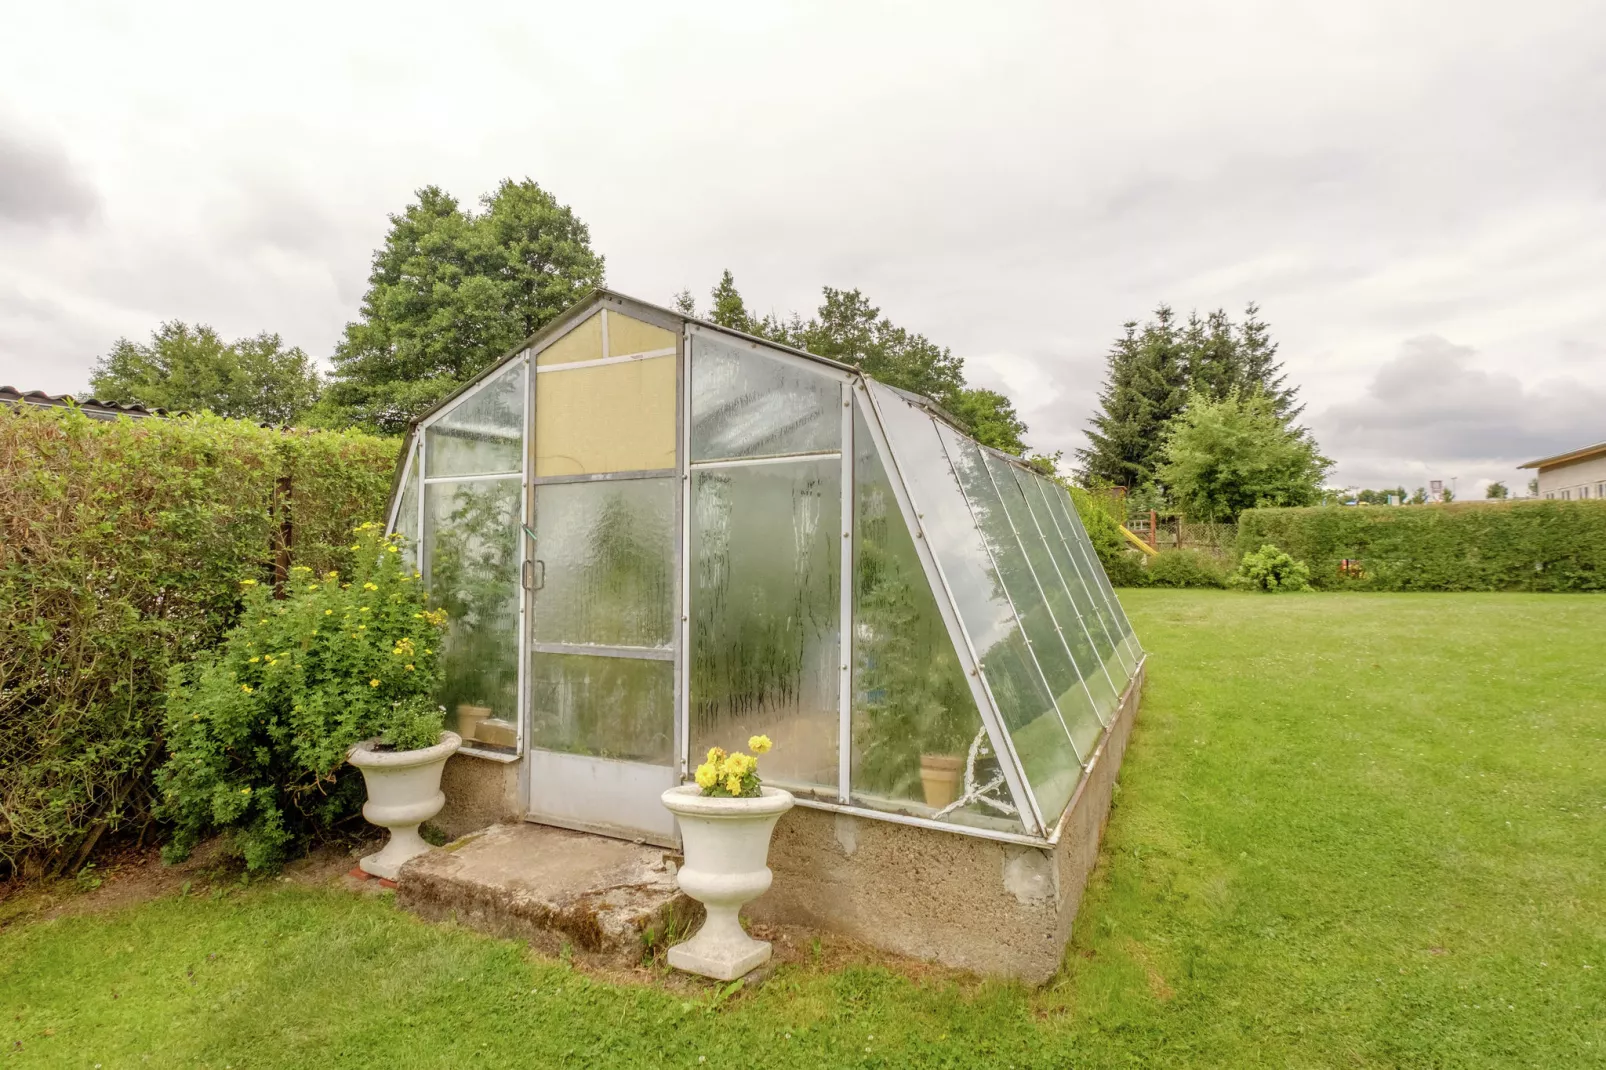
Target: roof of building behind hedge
91 407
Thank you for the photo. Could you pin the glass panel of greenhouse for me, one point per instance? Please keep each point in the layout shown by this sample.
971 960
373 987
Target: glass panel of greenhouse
654 536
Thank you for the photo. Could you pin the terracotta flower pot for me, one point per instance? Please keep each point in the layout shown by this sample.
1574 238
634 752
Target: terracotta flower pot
940 775
404 791
727 843
468 720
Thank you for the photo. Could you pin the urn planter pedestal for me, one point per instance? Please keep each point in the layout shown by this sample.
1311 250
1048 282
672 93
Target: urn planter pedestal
404 791
727 844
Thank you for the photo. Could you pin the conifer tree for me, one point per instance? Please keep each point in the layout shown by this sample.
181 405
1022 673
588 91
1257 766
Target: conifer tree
1146 384
1260 367
1153 370
728 309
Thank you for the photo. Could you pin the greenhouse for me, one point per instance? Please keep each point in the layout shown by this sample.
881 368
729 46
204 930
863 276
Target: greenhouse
654 535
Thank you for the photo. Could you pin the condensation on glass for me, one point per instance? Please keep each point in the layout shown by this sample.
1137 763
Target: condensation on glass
482 433
918 743
406 524
766 615
603 707
473 504
747 404
471 533
1040 739
605 562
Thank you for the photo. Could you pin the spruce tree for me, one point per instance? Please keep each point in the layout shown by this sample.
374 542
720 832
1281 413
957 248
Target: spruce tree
728 309
1146 384
1153 370
1260 368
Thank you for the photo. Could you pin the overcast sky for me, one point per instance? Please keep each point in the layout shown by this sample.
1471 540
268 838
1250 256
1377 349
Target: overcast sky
1414 193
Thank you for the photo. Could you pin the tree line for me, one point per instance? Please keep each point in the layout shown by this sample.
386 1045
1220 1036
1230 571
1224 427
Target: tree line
1197 416
453 289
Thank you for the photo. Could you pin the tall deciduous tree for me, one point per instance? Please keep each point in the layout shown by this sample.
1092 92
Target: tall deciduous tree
450 292
193 368
1221 457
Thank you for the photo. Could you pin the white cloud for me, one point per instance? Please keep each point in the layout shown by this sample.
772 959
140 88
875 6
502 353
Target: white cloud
1013 181
1433 413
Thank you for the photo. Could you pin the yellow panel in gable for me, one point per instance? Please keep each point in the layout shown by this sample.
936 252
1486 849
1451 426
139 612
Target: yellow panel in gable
606 418
627 336
583 342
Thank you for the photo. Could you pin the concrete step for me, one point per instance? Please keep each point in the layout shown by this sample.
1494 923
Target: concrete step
606 898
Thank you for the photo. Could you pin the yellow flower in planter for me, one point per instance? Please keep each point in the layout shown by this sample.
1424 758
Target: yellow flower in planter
759 744
373 683
731 774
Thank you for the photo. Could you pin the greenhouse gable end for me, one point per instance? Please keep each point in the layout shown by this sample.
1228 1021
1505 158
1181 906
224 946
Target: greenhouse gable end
654 536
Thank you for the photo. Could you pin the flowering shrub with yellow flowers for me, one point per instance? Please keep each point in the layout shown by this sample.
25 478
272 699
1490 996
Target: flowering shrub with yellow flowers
733 775
257 730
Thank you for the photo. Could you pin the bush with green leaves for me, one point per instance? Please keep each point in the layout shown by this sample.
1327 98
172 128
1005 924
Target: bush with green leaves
258 730
1126 569
1101 517
1185 568
1270 569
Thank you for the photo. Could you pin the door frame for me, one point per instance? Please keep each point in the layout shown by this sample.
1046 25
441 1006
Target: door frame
608 793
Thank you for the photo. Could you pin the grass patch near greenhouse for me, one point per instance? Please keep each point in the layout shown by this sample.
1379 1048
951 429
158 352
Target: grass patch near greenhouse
1352 831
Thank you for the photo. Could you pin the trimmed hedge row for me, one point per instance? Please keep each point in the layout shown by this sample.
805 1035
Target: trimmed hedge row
1464 546
122 544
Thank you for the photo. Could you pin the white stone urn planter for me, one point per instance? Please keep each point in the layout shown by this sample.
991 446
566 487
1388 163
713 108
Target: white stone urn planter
727 844
404 791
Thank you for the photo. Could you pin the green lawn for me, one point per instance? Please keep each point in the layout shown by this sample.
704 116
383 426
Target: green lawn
1352 831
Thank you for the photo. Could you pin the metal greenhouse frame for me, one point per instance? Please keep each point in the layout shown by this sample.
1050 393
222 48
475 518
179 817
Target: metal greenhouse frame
654 533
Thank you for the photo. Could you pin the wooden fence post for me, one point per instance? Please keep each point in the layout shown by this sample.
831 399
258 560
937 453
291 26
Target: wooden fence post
283 536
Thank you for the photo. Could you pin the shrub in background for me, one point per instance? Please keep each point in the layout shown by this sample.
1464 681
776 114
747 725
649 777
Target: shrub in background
1185 568
257 731
1270 569
1528 545
1102 518
121 546
1126 569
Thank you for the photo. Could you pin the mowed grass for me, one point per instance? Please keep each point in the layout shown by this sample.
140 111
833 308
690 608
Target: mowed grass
1352 831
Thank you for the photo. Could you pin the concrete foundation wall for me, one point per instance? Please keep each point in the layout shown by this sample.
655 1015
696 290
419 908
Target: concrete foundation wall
972 903
982 905
479 792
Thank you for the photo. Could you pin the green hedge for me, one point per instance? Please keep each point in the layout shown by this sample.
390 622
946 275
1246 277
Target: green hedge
122 544
1465 546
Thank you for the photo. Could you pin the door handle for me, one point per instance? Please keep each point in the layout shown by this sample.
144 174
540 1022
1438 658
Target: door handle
534 581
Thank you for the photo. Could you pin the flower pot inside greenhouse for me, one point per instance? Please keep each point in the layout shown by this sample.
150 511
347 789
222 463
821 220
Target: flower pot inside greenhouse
654 536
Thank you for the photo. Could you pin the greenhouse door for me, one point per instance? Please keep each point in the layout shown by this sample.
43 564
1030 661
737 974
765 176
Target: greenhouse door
602 573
